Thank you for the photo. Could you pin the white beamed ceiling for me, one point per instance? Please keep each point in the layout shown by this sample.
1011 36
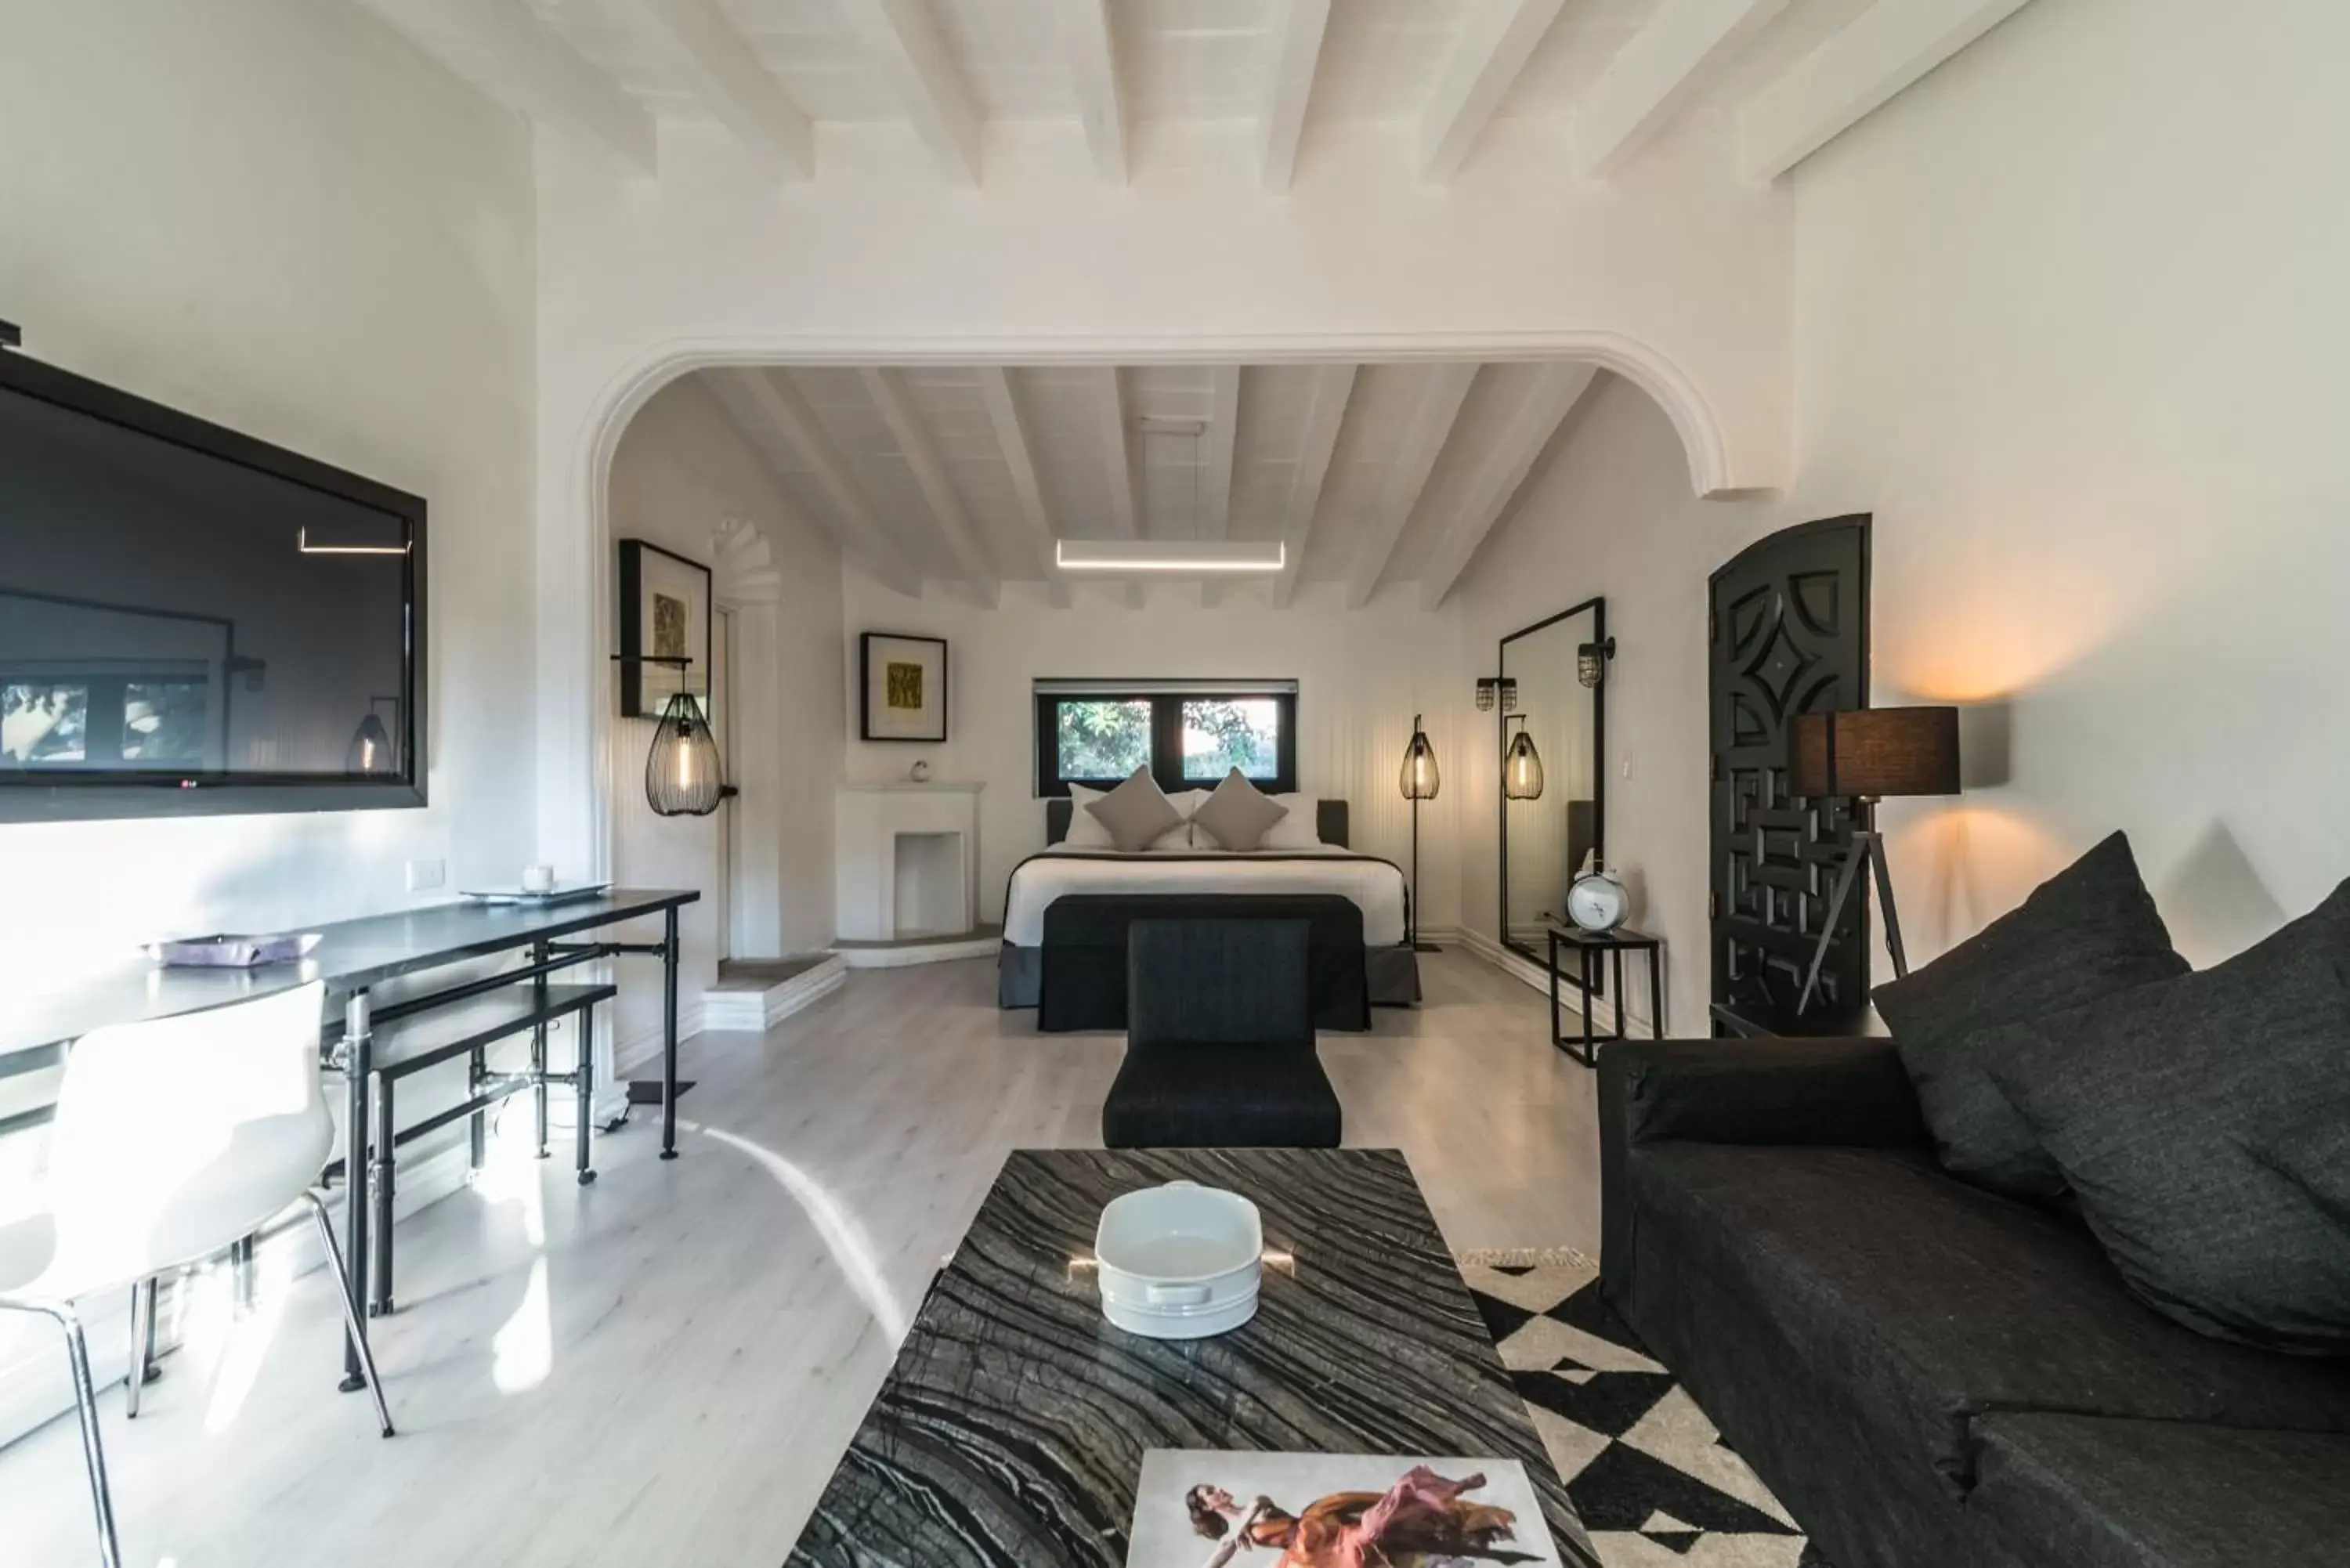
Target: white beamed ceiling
1446 72
1510 417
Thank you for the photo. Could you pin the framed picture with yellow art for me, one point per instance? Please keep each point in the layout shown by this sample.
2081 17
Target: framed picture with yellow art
905 689
664 615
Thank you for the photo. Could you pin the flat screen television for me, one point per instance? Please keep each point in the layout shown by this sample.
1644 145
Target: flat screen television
193 621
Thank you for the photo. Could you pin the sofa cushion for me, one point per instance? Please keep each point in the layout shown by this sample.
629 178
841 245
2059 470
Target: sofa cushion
1927 1301
2086 932
2154 1102
2094 1492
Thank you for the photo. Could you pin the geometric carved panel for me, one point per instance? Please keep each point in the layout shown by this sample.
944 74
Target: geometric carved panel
1788 635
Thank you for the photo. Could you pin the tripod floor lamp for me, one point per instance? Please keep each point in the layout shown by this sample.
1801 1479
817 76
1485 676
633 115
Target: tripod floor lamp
1864 756
1419 781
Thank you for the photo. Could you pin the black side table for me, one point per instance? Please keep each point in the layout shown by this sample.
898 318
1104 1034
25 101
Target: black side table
1607 948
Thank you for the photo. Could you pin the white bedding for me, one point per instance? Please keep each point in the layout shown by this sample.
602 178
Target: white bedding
1375 885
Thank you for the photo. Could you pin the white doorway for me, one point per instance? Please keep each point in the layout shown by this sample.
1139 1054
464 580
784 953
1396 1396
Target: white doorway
721 728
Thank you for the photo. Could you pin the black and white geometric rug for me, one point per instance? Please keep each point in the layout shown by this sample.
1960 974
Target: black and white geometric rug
1654 1482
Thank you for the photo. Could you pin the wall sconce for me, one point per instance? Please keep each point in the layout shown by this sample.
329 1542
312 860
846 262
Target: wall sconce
1521 769
1591 661
1493 687
684 775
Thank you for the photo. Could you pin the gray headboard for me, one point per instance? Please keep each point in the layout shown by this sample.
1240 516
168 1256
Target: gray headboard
1329 821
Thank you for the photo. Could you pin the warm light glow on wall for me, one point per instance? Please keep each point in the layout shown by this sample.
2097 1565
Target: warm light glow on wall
1958 868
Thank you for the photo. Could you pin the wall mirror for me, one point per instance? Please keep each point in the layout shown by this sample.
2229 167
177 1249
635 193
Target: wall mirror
1554 780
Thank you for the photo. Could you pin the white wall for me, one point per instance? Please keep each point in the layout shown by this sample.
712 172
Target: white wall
2074 327
2070 324
681 471
335 254
1606 514
1361 677
273 213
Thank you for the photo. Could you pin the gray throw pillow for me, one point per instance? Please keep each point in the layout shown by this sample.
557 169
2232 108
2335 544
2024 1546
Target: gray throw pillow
2159 1103
2088 932
1136 813
1238 814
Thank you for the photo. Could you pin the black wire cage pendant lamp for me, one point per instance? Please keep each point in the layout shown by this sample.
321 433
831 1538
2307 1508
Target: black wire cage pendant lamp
684 775
1521 769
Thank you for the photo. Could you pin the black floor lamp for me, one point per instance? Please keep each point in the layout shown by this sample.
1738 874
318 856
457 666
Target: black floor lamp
1864 756
1419 781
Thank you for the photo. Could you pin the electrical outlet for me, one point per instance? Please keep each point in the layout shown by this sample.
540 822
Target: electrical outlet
426 874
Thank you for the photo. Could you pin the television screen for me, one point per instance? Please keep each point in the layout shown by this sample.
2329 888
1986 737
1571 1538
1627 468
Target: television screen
186 609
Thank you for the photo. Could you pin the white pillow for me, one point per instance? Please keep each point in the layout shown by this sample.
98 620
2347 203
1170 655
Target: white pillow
1294 831
1085 831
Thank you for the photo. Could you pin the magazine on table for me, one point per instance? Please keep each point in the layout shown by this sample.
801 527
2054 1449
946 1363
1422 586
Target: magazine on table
1199 1508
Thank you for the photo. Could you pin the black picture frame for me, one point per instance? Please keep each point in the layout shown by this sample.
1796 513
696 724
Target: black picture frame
645 688
865 646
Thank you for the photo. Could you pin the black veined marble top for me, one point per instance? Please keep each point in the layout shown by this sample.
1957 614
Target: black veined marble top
1012 1429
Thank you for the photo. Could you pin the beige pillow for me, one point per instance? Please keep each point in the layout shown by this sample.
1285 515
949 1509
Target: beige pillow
1238 814
1136 813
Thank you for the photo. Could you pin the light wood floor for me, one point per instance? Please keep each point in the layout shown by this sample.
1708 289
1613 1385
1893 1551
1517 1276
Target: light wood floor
664 1367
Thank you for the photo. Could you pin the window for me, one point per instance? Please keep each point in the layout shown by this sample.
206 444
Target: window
1188 733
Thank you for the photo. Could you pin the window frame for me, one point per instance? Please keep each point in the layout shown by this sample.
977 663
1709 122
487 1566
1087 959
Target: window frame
1166 698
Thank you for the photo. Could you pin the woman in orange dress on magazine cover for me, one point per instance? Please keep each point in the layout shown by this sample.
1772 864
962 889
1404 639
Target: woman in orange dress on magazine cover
1422 1517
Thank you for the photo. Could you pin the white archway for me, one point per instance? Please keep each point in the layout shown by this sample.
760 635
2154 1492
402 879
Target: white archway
575 533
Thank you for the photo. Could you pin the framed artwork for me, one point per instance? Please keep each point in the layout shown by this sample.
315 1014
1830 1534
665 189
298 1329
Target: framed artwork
904 690
664 614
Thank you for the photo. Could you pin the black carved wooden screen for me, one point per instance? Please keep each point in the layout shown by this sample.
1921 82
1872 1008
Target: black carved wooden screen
1789 634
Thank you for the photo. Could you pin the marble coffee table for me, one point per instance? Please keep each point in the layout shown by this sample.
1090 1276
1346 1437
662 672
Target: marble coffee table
1012 1429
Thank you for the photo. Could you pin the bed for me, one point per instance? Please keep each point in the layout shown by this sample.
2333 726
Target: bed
1066 911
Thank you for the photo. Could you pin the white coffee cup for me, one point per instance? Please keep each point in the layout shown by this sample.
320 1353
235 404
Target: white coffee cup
539 878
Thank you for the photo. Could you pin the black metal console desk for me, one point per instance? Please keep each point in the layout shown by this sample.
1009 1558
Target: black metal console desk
354 958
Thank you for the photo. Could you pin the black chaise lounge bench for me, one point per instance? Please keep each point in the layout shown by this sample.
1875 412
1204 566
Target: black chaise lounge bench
1220 1041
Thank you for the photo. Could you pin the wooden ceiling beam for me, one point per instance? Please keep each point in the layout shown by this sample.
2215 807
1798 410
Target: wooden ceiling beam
1117 451
519 62
1652 78
1493 49
894 398
1856 73
1549 401
726 76
771 412
1012 436
1093 76
1296 34
913 56
1333 385
1441 396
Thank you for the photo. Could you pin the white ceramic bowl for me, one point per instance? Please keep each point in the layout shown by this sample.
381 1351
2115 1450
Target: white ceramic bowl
1179 1262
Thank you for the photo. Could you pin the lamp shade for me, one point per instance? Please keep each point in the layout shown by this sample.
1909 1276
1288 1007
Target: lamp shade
1872 752
1418 779
684 775
1521 769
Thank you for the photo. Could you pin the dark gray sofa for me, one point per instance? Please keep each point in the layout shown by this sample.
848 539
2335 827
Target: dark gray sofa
1928 1374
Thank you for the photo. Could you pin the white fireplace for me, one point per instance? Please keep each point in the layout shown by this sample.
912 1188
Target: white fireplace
907 866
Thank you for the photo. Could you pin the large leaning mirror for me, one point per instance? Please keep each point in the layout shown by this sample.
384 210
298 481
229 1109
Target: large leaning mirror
1553 773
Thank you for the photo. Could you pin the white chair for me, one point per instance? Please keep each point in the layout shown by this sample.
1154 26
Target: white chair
173 1140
